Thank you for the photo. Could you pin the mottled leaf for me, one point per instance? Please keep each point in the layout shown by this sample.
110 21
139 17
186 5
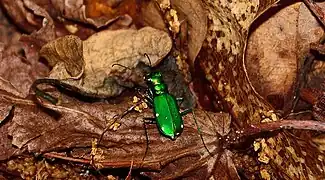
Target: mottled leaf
222 59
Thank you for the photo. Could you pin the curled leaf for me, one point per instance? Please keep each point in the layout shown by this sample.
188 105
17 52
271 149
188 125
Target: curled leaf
67 50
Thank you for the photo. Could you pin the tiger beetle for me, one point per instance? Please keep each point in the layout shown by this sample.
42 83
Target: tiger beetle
167 115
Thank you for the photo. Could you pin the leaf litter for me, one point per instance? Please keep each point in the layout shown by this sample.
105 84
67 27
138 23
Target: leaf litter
77 123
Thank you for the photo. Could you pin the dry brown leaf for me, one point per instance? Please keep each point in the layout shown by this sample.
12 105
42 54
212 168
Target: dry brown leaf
310 31
77 123
100 52
9 32
226 42
35 18
149 15
47 32
221 58
230 172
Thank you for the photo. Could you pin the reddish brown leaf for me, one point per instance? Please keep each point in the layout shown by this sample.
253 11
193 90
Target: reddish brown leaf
7 149
77 124
17 73
21 16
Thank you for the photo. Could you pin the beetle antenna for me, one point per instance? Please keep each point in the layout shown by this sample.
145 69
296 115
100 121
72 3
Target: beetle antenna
121 66
145 54
200 133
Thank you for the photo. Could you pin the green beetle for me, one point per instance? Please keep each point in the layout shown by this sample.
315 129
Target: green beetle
166 110
167 114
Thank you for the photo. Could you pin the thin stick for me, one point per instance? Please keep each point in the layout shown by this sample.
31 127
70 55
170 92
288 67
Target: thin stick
200 133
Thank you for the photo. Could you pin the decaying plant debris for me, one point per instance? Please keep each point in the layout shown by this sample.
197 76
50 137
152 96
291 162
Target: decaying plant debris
96 49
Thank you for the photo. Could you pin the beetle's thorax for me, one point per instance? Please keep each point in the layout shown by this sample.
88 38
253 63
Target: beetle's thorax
156 84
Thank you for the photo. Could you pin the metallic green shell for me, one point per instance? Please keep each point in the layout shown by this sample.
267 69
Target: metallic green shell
168 118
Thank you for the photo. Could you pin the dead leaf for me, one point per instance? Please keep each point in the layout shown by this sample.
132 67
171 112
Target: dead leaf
17 73
149 15
225 42
47 32
221 58
9 32
77 123
274 58
225 168
100 52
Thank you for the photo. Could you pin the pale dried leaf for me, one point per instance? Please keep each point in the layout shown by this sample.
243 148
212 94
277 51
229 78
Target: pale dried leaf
125 47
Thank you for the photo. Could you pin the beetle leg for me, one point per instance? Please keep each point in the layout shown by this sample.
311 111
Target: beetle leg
186 111
200 133
149 101
149 120
180 99
147 98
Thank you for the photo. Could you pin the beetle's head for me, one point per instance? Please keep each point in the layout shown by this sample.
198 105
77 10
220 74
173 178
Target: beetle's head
154 78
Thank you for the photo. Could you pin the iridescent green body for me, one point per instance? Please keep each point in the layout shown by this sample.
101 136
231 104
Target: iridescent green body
167 116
